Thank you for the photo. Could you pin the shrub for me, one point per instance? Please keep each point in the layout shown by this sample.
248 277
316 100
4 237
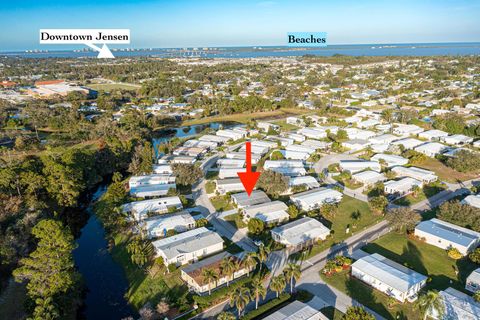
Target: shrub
454 253
266 307
475 255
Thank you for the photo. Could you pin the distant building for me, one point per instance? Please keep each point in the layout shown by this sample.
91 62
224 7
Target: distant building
407 129
391 160
432 134
447 235
189 246
300 233
408 143
229 185
472 200
431 149
140 209
389 277
308 181
359 165
457 139
266 126
369 177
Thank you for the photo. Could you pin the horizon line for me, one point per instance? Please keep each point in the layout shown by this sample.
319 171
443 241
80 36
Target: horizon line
249 46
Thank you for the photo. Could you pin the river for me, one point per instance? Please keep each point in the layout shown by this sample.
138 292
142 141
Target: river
104 278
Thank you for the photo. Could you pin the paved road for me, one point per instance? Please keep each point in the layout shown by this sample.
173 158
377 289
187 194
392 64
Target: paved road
322 167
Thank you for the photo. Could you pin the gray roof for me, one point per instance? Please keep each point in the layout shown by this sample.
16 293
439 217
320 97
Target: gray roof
205 262
389 272
474 276
459 306
228 181
448 231
186 242
256 197
296 311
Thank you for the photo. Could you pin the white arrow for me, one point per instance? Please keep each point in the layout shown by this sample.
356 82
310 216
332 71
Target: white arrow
103 52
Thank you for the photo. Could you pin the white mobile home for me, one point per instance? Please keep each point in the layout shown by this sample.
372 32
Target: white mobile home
229 185
458 306
230 134
140 209
369 177
432 134
359 165
230 163
408 143
164 169
296 310
153 190
472 200
294 155
318 145
224 173
212 138
447 235
431 149
391 160
296 137
158 226
457 139
401 187
389 277
242 156
300 233
266 126
355 144
315 198
313 133
406 130
473 281
384 138
308 181
269 212
189 246
152 179
426 176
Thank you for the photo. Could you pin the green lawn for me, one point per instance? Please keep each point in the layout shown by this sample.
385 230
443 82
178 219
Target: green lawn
113 86
331 313
347 208
425 193
284 126
221 203
210 186
421 257
350 183
142 287
235 220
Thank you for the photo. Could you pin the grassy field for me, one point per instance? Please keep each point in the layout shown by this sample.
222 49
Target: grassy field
113 86
284 126
235 220
142 287
210 187
347 209
425 193
445 173
245 117
421 257
221 203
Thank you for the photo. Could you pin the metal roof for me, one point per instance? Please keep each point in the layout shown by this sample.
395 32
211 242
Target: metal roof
256 197
319 195
460 306
301 230
388 272
296 311
448 231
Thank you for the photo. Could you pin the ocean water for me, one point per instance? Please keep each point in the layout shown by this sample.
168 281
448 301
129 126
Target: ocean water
413 49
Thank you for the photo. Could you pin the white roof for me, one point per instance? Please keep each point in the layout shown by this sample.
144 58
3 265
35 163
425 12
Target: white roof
315 144
296 311
368 176
315 196
168 221
384 138
270 211
153 190
460 306
414 172
457 138
301 230
431 134
474 277
389 272
231 163
310 181
295 155
431 147
210 137
187 242
404 184
269 164
463 237
154 205
390 159
358 165
408 143
472 200
151 179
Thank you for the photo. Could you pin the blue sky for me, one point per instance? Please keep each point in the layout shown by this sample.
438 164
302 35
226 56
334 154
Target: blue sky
182 23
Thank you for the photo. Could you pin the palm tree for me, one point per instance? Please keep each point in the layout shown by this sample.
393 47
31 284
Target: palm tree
209 276
431 302
226 316
292 272
262 255
228 267
239 298
258 290
277 284
249 261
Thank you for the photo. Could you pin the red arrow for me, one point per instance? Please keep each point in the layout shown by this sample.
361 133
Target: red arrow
249 178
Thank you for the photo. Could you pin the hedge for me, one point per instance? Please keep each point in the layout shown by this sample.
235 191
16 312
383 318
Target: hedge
267 306
220 294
